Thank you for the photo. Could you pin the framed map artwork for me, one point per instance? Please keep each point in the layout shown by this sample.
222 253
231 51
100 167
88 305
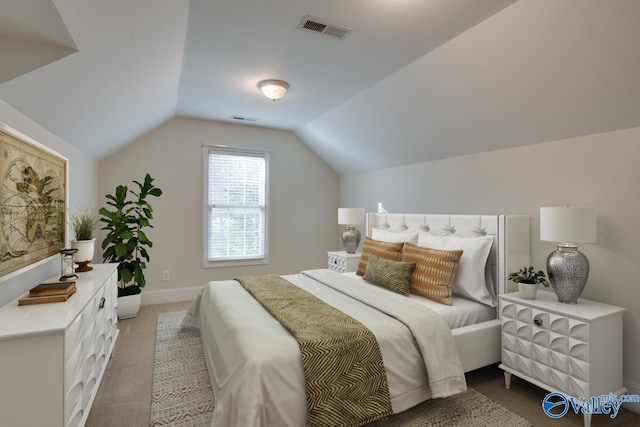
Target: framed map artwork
33 201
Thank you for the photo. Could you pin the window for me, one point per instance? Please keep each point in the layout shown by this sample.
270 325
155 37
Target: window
236 194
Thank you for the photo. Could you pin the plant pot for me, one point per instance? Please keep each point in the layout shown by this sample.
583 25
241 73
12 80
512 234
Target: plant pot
128 306
527 290
84 255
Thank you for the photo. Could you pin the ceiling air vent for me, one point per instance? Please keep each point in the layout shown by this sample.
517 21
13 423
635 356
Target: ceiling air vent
244 119
317 25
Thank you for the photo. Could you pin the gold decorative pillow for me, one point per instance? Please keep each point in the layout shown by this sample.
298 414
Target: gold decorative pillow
384 250
392 275
434 273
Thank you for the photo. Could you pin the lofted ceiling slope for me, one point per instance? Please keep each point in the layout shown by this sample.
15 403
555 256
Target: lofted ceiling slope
416 80
32 34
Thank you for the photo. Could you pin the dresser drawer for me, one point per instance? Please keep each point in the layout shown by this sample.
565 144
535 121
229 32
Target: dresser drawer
74 396
545 346
342 262
73 368
62 347
72 337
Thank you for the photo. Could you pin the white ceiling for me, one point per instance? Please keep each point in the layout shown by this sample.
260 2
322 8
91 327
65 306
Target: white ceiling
416 80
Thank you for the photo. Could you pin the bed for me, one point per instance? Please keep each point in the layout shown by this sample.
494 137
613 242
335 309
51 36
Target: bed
254 363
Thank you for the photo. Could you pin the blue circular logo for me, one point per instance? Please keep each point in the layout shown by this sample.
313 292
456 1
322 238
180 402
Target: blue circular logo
555 405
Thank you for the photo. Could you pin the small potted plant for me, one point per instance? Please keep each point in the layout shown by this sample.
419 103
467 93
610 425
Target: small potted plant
83 224
528 279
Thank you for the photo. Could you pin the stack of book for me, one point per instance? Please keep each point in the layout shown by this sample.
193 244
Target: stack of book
49 292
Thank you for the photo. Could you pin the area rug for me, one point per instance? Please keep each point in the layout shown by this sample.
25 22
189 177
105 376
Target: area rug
182 393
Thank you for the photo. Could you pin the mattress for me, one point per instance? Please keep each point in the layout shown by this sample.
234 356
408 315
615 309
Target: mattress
255 366
463 312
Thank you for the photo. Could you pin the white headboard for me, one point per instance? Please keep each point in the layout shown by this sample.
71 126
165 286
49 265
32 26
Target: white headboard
511 245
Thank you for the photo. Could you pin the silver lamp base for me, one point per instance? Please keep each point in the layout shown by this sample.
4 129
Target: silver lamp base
568 271
350 239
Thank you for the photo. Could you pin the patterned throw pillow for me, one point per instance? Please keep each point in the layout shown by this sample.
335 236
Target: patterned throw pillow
385 250
392 275
434 273
473 277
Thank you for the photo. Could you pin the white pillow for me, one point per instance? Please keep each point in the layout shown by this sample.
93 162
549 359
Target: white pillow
394 236
473 278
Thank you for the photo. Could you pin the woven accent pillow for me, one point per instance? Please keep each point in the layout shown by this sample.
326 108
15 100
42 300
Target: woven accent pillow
385 250
473 278
392 275
434 273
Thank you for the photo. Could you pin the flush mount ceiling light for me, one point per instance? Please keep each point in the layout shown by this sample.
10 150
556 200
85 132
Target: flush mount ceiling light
273 89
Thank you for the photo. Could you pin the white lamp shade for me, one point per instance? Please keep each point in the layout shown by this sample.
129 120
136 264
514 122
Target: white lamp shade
351 216
568 224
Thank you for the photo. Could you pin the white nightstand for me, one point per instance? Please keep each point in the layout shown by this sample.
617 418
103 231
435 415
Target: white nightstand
575 349
342 262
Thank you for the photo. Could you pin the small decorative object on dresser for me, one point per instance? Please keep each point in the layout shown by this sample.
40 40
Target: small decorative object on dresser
350 235
67 265
342 262
527 280
49 292
83 224
572 349
568 268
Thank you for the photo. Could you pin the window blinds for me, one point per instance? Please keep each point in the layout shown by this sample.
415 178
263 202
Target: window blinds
236 199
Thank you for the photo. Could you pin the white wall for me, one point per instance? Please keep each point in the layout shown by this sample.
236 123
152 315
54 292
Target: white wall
83 182
598 171
303 192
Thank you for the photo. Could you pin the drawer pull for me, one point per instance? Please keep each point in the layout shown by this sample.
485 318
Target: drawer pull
102 301
537 321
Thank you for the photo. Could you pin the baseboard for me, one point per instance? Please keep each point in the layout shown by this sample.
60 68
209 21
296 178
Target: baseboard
632 388
170 295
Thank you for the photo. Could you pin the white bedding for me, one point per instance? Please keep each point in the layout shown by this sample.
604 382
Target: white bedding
463 312
255 365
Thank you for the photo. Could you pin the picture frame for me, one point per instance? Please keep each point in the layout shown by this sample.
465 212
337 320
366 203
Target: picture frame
33 203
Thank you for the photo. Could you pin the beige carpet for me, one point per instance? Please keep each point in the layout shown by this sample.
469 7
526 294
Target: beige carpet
182 392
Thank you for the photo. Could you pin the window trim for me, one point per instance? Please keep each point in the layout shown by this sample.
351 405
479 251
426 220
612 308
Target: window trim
206 149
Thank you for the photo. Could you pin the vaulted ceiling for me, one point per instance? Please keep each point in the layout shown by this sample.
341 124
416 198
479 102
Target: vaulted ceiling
415 80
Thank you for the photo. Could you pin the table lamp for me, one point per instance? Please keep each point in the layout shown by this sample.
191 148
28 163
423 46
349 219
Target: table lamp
350 235
568 268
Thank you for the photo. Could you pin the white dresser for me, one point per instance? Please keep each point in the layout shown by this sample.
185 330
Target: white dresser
342 262
53 356
575 349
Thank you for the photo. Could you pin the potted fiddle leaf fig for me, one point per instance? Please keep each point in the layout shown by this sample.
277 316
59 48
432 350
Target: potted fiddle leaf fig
125 219
83 223
528 279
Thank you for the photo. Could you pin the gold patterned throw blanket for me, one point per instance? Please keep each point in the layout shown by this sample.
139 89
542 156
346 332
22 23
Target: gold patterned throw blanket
345 379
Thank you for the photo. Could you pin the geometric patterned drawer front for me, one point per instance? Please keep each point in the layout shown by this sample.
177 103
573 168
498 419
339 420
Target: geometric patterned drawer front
578 387
342 262
559 324
579 350
337 263
575 349
540 354
579 369
579 330
69 340
559 361
548 347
